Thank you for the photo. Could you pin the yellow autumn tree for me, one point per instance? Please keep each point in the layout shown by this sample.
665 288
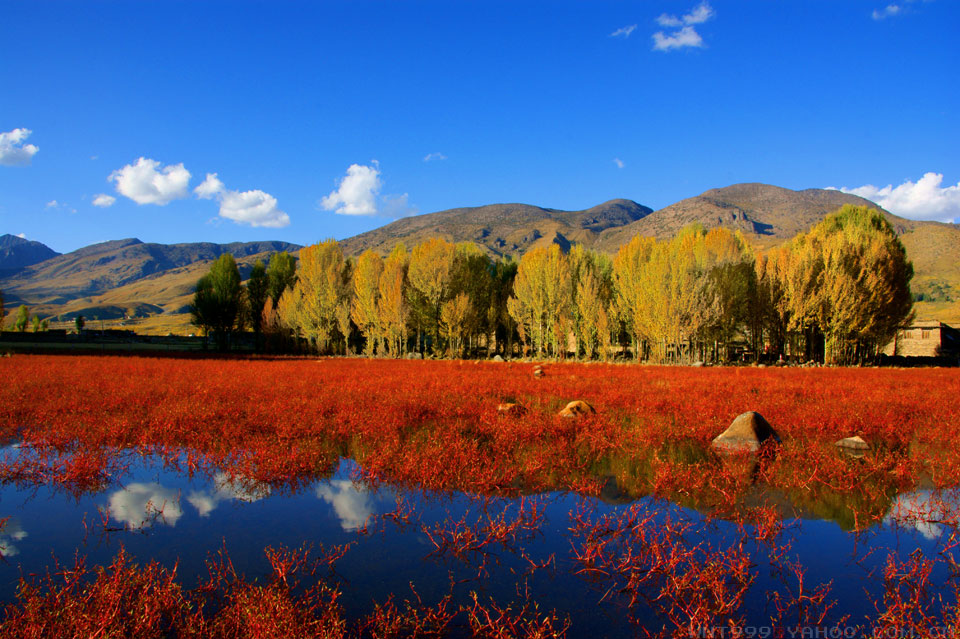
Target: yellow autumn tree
850 281
393 310
542 299
429 279
456 316
365 310
322 287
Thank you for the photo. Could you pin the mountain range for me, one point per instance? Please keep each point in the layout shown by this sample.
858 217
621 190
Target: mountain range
150 285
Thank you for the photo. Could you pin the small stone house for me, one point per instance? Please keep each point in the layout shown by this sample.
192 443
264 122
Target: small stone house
925 339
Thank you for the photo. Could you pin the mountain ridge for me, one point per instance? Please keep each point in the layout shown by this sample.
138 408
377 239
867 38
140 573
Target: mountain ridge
145 278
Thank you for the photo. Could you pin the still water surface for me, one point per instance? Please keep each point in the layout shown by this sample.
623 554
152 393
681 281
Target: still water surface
158 513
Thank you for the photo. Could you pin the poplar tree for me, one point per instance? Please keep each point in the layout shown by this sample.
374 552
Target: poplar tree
850 281
322 286
281 274
629 266
365 310
429 278
23 318
393 309
257 291
217 301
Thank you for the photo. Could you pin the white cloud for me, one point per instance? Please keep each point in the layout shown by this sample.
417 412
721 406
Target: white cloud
146 182
887 12
103 200
139 505
429 157
924 199
254 208
52 204
13 152
351 505
624 31
686 35
667 20
210 187
619 163
22 236
356 194
700 14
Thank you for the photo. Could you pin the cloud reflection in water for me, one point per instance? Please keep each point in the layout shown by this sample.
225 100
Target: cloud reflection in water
226 489
140 505
351 504
923 511
12 531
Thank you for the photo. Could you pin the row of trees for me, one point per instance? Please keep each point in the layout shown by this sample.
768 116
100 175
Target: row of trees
839 291
23 319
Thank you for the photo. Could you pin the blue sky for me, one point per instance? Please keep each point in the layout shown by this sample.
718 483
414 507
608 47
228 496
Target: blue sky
325 119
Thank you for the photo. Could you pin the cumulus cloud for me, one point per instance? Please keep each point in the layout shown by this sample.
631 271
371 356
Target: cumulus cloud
13 152
924 199
52 204
356 194
684 34
140 505
887 12
430 157
147 182
624 32
22 236
253 208
103 200
619 163
227 489
351 505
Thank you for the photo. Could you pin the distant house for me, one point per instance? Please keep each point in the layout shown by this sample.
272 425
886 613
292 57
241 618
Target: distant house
925 339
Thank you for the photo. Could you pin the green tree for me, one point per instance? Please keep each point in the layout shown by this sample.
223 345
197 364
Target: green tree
281 274
501 323
257 293
23 318
217 303
2 317
79 323
36 323
471 273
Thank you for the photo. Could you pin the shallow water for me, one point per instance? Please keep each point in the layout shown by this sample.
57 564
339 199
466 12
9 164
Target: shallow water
156 512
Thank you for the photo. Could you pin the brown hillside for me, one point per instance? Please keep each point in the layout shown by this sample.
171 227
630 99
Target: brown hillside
768 214
501 229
